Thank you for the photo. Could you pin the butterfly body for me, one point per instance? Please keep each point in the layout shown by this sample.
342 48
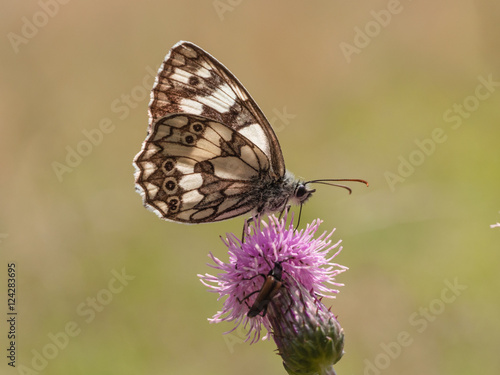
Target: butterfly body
210 153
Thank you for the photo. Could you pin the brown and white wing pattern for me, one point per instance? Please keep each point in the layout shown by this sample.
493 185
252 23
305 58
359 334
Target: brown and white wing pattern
192 169
191 81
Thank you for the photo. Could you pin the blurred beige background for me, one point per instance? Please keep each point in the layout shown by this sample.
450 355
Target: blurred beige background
404 94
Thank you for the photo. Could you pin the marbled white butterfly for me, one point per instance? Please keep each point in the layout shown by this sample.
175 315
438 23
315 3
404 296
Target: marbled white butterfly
210 153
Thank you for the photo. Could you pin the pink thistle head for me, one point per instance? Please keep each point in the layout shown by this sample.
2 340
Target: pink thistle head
270 247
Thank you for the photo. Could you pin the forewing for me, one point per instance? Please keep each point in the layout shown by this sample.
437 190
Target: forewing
195 170
191 81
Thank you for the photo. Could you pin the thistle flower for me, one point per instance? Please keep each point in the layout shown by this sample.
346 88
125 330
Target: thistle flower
275 279
309 338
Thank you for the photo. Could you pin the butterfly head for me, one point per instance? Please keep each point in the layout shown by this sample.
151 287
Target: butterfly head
302 193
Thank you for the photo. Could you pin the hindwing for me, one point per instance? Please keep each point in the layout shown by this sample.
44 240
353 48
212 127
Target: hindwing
191 81
194 170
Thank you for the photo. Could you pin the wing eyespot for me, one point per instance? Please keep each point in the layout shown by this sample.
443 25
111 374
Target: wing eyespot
197 127
170 185
173 204
168 166
189 139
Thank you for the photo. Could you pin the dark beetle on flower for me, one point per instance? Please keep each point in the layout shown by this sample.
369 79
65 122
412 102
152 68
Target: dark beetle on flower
271 286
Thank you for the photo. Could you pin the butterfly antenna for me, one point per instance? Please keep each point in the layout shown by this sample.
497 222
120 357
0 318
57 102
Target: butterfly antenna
329 182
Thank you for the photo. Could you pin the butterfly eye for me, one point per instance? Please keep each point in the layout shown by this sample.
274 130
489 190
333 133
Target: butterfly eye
300 191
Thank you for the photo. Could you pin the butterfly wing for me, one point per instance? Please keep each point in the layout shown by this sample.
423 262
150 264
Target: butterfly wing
191 81
195 170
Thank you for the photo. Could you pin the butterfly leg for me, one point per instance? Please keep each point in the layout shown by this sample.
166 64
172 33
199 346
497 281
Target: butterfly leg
285 209
245 228
298 220
248 221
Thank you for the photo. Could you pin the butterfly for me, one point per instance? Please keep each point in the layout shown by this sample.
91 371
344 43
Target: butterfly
210 153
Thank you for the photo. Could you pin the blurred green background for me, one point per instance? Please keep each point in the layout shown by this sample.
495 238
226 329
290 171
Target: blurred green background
363 84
